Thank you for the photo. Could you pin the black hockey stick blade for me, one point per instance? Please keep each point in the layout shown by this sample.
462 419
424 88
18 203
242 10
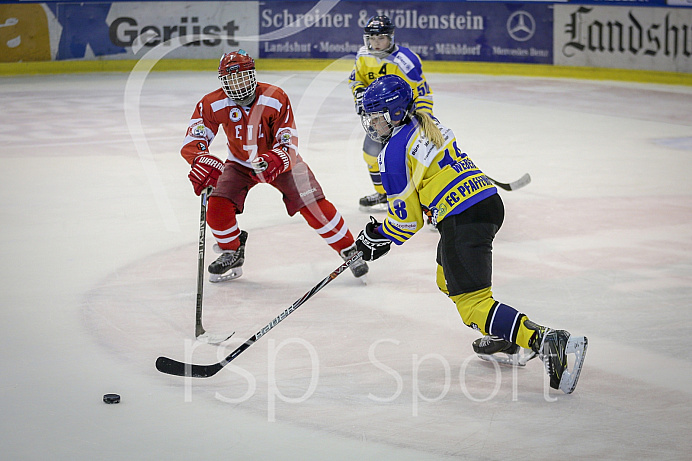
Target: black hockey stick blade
514 185
174 367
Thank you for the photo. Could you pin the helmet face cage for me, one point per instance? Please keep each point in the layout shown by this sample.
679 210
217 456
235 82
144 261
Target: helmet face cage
240 86
238 77
377 125
386 102
379 26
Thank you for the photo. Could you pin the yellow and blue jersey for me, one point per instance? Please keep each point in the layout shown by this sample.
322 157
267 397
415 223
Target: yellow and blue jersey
402 62
416 173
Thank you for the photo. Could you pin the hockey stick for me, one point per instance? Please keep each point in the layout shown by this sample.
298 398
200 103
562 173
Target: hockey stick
200 333
518 184
173 367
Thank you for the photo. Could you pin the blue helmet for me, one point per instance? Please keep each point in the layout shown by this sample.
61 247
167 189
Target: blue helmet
387 102
389 93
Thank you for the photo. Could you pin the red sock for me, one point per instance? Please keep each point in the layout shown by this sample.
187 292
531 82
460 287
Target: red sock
326 220
222 222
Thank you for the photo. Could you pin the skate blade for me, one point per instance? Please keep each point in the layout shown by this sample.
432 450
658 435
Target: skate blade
380 207
515 360
575 345
213 339
233 274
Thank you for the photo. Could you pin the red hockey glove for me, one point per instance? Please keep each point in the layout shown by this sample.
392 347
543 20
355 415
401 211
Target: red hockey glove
205 171
271 164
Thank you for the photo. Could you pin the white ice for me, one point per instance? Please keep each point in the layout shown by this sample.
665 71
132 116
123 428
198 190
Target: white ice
99 230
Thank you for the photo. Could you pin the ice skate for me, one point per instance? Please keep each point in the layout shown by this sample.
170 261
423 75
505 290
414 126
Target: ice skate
358 267
374 201
553 347
494 348
228 266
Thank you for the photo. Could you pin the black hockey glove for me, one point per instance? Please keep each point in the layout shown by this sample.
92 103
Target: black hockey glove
372 243
359 101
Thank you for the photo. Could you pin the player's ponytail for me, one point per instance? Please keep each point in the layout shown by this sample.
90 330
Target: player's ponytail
430 129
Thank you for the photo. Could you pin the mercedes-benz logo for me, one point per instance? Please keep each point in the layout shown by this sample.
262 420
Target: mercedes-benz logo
521 26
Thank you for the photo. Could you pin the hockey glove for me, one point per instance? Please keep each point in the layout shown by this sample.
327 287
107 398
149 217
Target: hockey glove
372 243
359 101
271 164
205 172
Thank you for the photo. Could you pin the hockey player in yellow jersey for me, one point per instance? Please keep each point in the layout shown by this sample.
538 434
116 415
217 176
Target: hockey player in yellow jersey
381 56
424 171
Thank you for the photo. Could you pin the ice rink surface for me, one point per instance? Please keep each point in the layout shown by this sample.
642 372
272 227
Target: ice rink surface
99 231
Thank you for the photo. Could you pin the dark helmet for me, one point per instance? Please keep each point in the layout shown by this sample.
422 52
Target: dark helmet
390 98
237 75
379 25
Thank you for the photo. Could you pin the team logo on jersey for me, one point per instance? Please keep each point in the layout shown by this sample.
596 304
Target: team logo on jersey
197 131
235 114
201 146
440 211
284 137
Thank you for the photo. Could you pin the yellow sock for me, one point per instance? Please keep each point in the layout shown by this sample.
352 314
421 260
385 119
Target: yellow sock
374 170
524 334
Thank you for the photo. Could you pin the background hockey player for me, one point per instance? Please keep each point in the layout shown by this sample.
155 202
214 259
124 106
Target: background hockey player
422 167
381 56
262 148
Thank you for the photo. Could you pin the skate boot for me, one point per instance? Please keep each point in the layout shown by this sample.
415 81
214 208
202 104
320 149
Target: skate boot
502 351
358 267
228 266
552 347
374 201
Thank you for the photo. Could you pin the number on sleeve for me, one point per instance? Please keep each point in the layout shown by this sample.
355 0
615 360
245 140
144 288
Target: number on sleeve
400 209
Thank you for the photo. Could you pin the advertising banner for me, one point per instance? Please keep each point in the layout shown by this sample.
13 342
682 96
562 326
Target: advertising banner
449 31
624 38
126 30
25 33
641 37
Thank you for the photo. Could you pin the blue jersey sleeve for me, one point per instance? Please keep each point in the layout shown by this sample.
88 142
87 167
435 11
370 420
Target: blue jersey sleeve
415 71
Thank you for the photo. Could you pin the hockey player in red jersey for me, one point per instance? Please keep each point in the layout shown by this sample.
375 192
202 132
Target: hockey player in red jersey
262 147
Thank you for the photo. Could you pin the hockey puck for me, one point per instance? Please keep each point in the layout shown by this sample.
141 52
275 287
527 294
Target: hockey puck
111 398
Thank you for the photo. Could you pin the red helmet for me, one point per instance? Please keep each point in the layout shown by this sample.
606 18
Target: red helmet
235 61
237 75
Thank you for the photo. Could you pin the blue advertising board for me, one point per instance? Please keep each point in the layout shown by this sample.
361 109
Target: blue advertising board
498 32
567 33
